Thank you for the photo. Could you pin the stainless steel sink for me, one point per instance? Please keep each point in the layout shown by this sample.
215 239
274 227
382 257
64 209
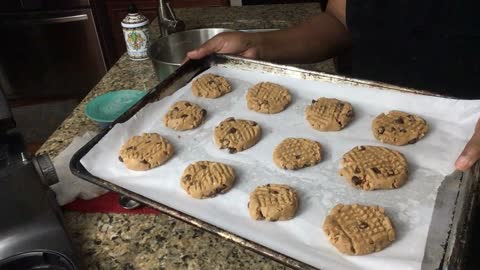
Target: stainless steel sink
167 53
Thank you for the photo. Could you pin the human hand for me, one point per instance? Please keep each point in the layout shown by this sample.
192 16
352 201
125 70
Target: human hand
471 152
237 43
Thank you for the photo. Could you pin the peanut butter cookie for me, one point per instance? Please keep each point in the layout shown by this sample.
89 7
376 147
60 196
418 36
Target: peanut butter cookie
267 97
329 114
297 153
236 135
211 86
144 152
399 128
374 167
205 179
184 115
358 229
273 202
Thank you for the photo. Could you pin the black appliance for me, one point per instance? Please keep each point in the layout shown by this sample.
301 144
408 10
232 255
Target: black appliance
49 49
32 235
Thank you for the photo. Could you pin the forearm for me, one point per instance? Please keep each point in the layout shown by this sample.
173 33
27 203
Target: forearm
318 38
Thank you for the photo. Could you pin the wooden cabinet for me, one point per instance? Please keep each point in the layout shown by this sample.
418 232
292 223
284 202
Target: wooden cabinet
110 13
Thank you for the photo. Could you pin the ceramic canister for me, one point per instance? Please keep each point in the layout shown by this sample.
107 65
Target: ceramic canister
136 34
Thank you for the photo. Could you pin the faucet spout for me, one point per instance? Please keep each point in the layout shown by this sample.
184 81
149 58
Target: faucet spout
167 19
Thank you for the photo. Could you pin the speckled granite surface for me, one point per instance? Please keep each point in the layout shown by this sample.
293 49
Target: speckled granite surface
120 241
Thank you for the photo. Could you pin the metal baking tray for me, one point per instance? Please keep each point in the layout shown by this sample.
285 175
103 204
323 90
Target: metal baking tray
451 227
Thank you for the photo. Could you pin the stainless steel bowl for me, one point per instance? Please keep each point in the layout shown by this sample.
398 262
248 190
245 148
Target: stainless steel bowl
167 53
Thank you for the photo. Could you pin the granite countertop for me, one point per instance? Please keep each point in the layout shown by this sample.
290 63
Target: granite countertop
123 241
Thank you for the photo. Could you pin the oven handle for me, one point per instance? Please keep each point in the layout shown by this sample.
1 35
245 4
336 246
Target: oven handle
65 19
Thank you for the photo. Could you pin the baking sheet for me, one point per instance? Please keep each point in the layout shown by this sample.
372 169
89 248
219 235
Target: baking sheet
320 188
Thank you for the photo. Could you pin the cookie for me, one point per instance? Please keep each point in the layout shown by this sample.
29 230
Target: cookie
205 179
374 167
236 135
184 115
267 97
210 86
144 152
399 128
297 153
273 202
358 229
329 114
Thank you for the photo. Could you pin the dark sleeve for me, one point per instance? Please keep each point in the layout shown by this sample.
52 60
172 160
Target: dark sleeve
381 18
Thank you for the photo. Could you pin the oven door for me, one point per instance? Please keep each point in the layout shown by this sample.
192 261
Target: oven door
49 54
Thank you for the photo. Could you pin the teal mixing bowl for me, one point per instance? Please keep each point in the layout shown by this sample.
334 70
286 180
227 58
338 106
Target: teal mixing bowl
106 108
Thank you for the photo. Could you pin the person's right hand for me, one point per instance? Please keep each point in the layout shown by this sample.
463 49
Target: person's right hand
236 43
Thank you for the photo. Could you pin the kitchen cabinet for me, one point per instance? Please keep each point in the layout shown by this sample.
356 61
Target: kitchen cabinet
112 12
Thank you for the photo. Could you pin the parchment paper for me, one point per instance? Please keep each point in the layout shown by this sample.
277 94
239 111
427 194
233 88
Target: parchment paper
319 187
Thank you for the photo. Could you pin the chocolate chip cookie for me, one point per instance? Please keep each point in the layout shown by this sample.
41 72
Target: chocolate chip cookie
144 152
358 229
273 202
236 134
184 115
399 128
211 86
329 114
205 179
267 97
374 167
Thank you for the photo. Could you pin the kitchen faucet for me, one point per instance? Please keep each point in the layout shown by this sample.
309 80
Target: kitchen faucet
167 20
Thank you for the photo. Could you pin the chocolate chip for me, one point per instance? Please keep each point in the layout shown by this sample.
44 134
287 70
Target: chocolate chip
203 112
399 120
248 205
381 130
144 161
357 170
403 130
184 116
393 129
375 170
361 148
129 148
274 191
297 157
203 167
187 177
232 130
411 117
313 101
350 113
188 104
120 158
252 123
356 180
230 119
148 141
175 108
363 225
232 150
412 141
274 219
165 153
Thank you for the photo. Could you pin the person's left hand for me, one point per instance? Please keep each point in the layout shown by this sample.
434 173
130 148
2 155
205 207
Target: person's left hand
471 152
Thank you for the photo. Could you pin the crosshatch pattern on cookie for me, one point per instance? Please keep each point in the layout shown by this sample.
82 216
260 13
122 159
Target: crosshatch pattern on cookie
184 115
399 128
145 152
329 114
267 97
374 167
236 134
297 153
210 86
273 202
359 229
204 179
